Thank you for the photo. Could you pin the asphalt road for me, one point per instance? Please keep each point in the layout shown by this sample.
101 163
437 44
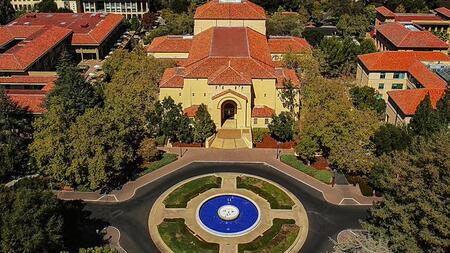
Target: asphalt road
325 220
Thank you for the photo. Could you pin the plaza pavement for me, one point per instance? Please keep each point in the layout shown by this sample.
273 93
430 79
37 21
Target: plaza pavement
338 195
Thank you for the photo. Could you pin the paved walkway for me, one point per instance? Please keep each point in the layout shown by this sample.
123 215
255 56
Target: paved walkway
338 195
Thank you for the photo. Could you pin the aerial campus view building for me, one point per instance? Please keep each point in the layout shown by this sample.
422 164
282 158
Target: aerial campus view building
226 195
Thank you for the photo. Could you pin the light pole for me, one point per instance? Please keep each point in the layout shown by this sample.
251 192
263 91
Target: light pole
278 150
181 151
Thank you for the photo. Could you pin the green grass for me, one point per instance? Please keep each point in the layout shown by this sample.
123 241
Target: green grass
277 198
180 240
180 196
275 240
165 159
321 175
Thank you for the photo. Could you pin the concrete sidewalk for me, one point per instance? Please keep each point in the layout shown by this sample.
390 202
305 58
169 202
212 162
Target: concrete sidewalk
338 195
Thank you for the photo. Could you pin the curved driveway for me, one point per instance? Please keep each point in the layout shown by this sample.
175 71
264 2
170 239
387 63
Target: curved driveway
325 220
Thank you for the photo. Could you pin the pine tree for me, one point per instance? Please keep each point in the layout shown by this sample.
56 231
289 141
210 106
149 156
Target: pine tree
426 120
443 109
15 135
204 126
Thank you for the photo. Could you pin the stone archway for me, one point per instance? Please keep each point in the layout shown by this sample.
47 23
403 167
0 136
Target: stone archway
228 111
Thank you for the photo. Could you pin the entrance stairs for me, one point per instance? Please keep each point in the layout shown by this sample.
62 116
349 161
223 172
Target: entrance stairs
230 139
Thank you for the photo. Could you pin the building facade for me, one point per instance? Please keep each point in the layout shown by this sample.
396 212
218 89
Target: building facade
234 70
127 8
403 79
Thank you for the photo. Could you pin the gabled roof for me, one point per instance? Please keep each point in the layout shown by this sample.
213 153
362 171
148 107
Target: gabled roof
88 29
170 44
411 62
230 10
443 11
385 12
191 111
403 37
262 112
35 41
237 94
408 100
286 44
31 99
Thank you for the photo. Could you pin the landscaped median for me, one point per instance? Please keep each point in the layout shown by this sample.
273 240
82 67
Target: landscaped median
166 158
181 196
277 198
321 175
277 239
179 238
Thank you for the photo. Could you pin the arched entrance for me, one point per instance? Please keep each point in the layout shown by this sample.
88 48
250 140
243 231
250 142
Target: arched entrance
229 110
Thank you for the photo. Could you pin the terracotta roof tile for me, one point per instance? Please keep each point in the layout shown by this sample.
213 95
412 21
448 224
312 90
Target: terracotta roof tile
409 100
38 41
262 112
191 110
385 12
170 44
411 62
214 9
403 37
407 17
32 100
88 29
288 44
287 74
172 78
443 11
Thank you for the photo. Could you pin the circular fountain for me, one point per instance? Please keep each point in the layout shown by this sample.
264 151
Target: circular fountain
228 215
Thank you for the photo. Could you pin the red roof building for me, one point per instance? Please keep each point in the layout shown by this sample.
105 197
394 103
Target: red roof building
93 34
404 79
28 91
230 10
396 37
31 48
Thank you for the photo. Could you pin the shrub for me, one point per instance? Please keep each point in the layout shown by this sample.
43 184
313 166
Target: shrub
259 134
321 175
161 141
148 150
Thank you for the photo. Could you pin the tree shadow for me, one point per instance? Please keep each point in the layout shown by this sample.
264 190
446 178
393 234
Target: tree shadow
80 230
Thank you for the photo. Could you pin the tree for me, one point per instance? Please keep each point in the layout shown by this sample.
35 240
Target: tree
426 120
353 25
286 24
46 6
70 98
148 150
442 35
307 148
413 215
174 24
366 97
328 118
134 24
281 127
15 135
389 138
360 243
443 108
99 250
31 220
204 126
6 12
169 120
289 97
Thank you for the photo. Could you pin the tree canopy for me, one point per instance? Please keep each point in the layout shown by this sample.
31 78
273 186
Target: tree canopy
389 138
204 126
281 24
366 97
6 12
15 135
413 215
426 121
174 24
281 127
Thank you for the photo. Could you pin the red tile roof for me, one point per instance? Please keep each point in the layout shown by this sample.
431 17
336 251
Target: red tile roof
216 9
408 100
31 99
232 56
410 17
191 110
403 37
88 29
411 62
286 44
443 11
170 44
262 112
385 12
36 41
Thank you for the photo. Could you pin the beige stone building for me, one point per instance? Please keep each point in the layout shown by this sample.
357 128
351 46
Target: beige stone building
233 69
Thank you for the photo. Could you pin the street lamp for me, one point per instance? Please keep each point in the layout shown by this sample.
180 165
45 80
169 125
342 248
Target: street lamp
278 150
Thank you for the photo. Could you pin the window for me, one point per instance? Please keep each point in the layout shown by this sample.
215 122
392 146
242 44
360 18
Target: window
255 121
266 121
193 94
179 94
398 75
381 86
204 94
397 86
265 95
382 75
